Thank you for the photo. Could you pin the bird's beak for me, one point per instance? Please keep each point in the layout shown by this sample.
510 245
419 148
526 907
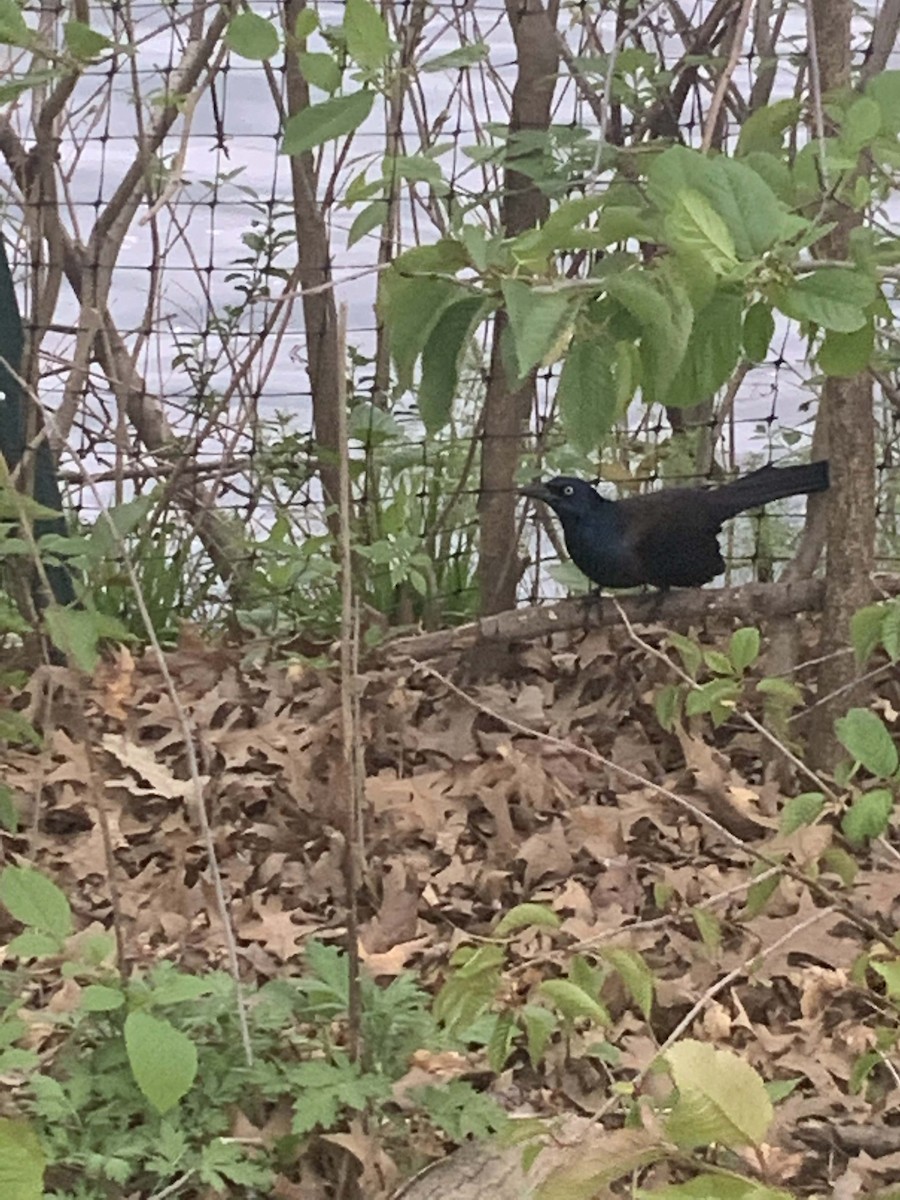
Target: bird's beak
537 491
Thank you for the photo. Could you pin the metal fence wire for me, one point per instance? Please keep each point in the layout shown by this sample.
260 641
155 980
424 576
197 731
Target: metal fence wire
152 220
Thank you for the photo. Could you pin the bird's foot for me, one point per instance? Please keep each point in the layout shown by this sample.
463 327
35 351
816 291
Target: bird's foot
592 603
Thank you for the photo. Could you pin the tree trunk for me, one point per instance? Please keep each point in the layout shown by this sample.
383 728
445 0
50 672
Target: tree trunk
846 413
506 407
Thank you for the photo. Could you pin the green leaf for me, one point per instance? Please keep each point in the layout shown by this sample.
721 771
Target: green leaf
800 810
763 131
83 42
692 224
326 121
527 916
712 353
865 631
635 974
97 998
163 1060
540 1025
890 630
320 71
868 816
830 297
782 690
412 306
861 125
441 359
9 814
890 973
715 1187
743 649
759 329
689 651
721 1098
33 945
658 301
463 56
535 319
588 403
884 89
371 217
22 1161
709 927
839 862
13 30
667 705
76 632
845 354
718 698
573 1002
865 737
307 23
36 901
366 34
252 36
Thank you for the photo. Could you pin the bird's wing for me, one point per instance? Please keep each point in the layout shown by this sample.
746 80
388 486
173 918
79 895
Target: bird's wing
673 536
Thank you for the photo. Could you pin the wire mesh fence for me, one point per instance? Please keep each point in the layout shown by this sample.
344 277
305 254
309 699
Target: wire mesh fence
160 242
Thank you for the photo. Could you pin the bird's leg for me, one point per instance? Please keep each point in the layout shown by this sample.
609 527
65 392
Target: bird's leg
592 602
656 600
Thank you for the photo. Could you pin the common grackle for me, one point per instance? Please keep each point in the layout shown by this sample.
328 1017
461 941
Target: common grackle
668 538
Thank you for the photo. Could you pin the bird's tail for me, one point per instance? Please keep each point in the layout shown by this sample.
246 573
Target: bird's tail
766 484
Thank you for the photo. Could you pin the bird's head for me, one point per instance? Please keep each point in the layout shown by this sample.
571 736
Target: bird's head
565 494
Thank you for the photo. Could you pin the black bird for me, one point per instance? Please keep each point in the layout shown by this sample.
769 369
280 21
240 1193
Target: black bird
668 538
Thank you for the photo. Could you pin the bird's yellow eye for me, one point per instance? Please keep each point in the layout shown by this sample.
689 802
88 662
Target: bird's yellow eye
568 490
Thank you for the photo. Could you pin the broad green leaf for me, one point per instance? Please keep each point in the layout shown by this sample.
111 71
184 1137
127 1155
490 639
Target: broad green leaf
667 704
800 810
445 256
868 816
573 1002
366 34
163 1060
413 167
33 945
307 23
411 306
831 297
781 689
764 130
865 737
718 698
659 302
535 320
861 124
840 863
527 916
441 358
252 36
715 1187
22 1161
884 89
98 998
865 630
618 223
846 354
323 122
36 901
689 651
890 630
320 71
759 329
587 397
712 353
743 649
463 56
694 225
76 632
721 1098
82 41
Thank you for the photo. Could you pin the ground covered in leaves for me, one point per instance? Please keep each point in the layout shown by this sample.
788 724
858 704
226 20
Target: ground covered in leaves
634 837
